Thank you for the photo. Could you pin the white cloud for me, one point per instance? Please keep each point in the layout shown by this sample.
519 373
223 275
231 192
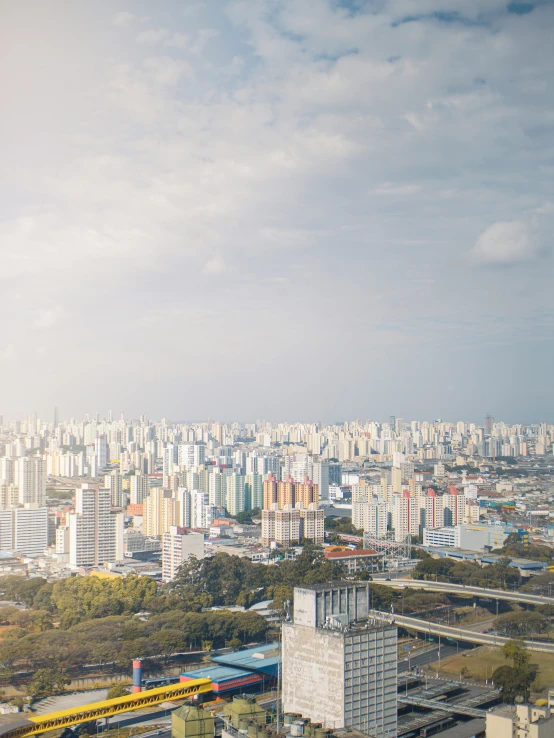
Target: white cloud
163 36
167 71
389 188
48 317
215 265
505 242
8 353
123 19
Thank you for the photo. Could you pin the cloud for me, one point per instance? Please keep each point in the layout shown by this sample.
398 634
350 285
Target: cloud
8 353
389 188
123 19
215 265
505 242
48 317
167 71
163 36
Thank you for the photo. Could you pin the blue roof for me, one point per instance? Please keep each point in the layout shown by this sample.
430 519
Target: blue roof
262 659
217 674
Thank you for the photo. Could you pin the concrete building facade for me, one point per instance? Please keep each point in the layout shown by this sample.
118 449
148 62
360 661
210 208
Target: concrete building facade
339 665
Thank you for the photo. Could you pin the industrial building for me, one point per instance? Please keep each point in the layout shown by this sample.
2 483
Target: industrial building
339 664
470 537
262 659
225 679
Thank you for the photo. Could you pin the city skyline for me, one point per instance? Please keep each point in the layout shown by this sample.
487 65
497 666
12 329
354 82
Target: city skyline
208 208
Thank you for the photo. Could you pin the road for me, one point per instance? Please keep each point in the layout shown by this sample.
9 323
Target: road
493 594
427 657
457 634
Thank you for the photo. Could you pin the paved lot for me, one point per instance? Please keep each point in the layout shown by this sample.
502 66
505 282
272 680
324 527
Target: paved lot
65 701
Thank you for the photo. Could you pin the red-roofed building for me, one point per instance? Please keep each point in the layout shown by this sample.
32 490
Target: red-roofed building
365 559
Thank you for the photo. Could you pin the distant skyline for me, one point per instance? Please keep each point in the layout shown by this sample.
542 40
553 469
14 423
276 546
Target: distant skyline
104 417
247 209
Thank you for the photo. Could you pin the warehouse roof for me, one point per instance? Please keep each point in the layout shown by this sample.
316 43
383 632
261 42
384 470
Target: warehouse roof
262 658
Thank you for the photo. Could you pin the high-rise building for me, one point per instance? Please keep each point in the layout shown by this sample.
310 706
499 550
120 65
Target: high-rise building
101 452
235 497
24 529
192 455
335 644
140 487
177 546
489 423
114 483
320 477
281 526
254 491
160 512
202 514
95 534
30 529
31 480
312 523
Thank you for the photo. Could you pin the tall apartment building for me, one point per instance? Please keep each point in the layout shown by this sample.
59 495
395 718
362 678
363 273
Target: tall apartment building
160 512
312 523
217 486
371 517
139 488
31 480
339 665
101 453
289 492
24 529
235 497
281 526
190 455
254 491
202 514
177 546
292 524
114 483
9 495
95 534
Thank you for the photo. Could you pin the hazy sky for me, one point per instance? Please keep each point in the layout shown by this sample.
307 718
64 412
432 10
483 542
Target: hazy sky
291 209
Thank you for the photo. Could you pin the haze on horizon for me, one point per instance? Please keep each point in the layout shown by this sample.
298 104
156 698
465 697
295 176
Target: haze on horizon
285 210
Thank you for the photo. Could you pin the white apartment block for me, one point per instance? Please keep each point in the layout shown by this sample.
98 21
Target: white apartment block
191 455
95 534
235 497
139 488
24 529
31 480
371 517
177 546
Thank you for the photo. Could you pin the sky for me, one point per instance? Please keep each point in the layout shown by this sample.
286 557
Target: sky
280 209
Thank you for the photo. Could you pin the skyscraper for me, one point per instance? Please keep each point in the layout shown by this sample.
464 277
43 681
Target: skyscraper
31 480
489 422
95 534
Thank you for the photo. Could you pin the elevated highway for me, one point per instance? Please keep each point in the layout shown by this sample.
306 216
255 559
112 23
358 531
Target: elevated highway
448 588
103 709
457 634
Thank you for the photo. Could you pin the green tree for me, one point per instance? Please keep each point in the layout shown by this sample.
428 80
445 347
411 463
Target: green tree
46 682
515 680
118 690
520 623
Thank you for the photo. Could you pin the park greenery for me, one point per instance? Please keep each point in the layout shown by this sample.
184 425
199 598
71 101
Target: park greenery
109 621
515 680
496 576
